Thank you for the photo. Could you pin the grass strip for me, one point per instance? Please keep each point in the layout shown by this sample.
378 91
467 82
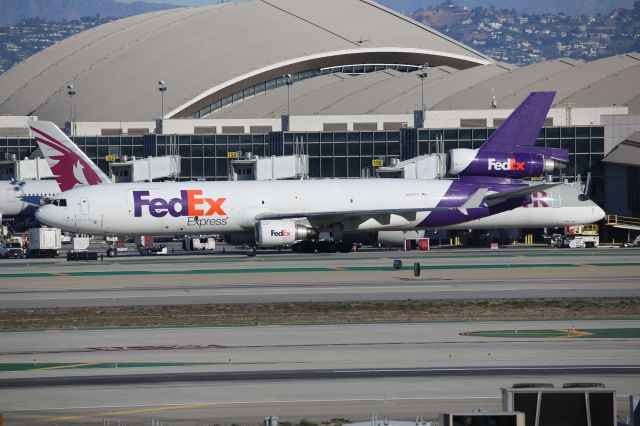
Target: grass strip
318 313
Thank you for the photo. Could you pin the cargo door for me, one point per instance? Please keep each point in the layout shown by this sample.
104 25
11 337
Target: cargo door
84 206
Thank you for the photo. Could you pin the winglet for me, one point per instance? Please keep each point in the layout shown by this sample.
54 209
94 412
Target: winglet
68 163
523 125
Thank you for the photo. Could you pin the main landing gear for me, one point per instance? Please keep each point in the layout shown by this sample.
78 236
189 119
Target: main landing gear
323 246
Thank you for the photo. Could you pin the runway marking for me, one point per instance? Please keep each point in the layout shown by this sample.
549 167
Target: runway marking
269 402
571 333
517 369
124 412
101 365
58 367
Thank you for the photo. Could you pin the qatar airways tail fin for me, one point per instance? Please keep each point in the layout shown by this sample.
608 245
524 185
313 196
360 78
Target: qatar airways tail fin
522 127
68 163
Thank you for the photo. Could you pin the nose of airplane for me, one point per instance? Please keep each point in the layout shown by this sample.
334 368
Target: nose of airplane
46 215
598 213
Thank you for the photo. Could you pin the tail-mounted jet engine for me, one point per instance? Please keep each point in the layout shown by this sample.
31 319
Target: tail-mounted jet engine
471 162
282 232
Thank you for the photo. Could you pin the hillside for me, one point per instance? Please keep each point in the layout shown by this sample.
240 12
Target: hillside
568 7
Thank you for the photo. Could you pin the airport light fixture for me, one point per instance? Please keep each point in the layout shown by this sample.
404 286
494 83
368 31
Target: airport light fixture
422 75
162 87
288 80
71 91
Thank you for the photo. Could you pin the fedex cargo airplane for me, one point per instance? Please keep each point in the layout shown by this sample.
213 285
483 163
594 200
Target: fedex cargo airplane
489 193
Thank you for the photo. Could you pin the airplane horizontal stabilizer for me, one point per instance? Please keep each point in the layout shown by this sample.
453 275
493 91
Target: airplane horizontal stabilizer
499 197
476 199
558 154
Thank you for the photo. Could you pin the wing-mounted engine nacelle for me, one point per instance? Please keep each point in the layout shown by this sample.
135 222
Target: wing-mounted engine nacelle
471 162
281 232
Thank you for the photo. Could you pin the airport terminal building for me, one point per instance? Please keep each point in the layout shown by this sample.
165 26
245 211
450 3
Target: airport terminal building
342 81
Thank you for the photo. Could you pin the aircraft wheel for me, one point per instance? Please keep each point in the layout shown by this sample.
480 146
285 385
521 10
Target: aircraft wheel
322 246
332 247
308 246
112 252
297 248
345 247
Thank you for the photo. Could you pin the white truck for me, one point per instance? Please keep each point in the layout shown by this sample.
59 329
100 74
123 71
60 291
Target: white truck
13 248
44 242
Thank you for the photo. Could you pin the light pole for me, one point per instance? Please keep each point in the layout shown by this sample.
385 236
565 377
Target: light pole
288 80
162 87
422 75
71 91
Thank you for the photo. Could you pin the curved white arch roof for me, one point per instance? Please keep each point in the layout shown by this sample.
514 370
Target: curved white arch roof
211 51
612 81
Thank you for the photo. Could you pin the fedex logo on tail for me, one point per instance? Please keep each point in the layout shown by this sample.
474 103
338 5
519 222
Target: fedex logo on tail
510 164
190 203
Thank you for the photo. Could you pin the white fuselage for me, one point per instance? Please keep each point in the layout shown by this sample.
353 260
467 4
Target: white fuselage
22 198
171 208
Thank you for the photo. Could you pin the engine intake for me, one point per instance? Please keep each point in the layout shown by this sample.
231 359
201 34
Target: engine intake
281 232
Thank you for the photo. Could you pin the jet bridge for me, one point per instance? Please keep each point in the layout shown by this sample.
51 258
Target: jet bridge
431 166
623 222
145 169
250 167
27 169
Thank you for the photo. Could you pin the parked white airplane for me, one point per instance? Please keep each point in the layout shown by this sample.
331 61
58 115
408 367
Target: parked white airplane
20 199
275 213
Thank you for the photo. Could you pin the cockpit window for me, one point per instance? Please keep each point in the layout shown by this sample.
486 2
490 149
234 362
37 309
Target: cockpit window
61 202
583 197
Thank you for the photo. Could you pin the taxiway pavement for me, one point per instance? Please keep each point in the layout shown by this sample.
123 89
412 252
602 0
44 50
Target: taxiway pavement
314 371
454 274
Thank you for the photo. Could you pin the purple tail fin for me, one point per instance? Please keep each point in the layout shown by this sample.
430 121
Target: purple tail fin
523 125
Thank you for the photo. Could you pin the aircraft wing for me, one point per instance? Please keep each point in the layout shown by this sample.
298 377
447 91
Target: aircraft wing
328 213
475 201
500 197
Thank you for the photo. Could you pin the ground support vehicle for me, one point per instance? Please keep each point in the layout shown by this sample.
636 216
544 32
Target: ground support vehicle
199 243
44 242
579 236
